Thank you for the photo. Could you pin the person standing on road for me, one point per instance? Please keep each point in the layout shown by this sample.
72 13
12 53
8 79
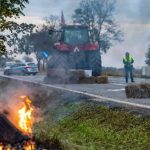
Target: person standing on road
128 66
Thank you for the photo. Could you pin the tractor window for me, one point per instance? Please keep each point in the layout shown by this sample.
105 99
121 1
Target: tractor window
76 36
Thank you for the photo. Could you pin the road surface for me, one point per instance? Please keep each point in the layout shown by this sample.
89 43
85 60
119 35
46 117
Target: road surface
114 90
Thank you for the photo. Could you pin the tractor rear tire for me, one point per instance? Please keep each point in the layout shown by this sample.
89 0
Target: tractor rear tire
95 63
58 61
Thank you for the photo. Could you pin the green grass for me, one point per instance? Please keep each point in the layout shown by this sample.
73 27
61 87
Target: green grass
98 128
80 126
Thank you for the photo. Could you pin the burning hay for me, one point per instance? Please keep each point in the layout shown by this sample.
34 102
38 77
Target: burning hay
18 136
11 134
25 116
138 90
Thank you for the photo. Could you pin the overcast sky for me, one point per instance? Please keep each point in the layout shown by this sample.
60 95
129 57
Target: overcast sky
133 16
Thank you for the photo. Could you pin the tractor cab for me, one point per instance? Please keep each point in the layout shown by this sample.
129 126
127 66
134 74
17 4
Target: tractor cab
75 35
75 38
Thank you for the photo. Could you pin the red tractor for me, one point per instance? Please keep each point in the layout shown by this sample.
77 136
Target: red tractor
75 51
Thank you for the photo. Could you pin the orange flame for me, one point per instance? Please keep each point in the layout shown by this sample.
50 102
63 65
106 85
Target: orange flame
24 123
29 145
8 147
1 146
25 116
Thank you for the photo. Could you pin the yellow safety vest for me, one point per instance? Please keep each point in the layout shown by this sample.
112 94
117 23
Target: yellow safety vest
130 59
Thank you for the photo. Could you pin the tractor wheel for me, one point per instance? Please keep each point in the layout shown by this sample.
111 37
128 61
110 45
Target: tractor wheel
58 61
95 63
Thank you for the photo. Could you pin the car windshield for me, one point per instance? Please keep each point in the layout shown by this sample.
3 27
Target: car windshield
21 65
76 36
9 64
18 65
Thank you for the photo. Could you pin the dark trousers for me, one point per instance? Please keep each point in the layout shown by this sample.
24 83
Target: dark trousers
129 71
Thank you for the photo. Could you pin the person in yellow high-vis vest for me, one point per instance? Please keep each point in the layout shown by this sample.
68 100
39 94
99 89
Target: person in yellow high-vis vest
128 66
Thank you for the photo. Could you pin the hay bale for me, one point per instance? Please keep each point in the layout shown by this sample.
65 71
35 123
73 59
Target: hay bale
138 90
102 79
87 80
75 75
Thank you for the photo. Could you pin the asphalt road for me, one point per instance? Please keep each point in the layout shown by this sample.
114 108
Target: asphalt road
115 89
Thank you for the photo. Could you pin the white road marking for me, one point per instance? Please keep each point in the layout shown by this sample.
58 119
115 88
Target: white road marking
121 84
116 90
83 93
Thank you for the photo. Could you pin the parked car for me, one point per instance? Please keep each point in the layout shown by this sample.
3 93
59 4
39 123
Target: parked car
21 68
8 65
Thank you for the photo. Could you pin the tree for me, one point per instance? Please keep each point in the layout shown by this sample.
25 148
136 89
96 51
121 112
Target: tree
40 40
18 61
11 9
4 59
98 15
35 43
28 59
147 61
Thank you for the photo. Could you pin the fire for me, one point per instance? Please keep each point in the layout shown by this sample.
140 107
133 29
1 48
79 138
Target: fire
1 146
24 123
25 116
29 145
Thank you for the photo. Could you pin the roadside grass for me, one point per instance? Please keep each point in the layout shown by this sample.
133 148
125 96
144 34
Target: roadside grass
88 126
95 127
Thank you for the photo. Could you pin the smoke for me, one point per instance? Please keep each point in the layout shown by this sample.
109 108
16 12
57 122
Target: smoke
43 100
10 101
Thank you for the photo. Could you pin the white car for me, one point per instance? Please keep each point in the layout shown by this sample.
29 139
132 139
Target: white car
31 68
27 68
